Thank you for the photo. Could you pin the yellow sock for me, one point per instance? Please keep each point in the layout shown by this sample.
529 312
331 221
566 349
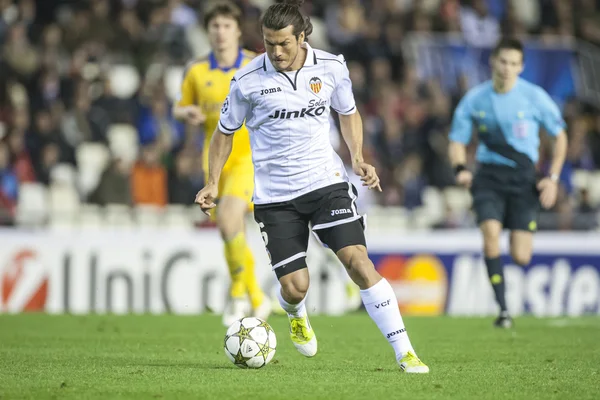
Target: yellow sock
235 255
254 291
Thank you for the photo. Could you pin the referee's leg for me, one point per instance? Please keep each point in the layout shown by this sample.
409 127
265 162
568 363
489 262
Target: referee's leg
521 219
490 207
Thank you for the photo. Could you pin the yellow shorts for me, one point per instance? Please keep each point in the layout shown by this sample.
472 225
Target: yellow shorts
237 181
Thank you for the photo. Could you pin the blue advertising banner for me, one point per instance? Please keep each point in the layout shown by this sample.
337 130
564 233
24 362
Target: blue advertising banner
456 283
553 68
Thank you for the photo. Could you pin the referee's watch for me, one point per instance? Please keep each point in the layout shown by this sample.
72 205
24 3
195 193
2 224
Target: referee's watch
554 178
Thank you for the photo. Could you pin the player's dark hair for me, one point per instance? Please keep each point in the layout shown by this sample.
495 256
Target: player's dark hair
223 8
285 13
509 44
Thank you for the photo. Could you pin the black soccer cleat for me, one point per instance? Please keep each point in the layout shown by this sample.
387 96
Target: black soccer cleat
504 321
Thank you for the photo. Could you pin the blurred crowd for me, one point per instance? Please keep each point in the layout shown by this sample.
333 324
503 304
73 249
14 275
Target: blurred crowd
56 92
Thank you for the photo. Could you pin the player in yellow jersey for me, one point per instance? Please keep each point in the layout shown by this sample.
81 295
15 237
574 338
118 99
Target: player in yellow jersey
204 88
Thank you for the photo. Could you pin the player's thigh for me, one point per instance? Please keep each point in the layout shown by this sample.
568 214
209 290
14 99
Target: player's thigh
488 204
522 209
339 237
285 233
238 182
335 220
230 214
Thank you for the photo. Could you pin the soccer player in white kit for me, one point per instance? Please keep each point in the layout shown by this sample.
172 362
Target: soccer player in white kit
284 97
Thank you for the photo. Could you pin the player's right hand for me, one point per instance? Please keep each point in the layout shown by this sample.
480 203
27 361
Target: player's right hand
368 175
464 178
206 198
194 115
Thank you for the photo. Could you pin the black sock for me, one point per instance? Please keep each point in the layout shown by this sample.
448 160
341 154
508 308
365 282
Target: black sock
496 274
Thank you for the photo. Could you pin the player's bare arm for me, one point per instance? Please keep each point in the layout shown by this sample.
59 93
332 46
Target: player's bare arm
352 131
218 153
457 152
192 114
548 186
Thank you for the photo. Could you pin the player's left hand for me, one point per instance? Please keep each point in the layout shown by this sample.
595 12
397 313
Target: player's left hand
548 192
367 174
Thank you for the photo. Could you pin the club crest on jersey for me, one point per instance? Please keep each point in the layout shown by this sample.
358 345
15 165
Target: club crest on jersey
225 106
315 84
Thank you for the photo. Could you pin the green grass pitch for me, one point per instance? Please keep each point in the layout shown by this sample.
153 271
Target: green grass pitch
176 357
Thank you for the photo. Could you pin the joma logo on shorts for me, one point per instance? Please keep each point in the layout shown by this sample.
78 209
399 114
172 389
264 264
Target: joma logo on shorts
341 211
389 335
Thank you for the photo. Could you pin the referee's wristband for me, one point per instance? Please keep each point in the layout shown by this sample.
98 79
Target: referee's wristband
459 168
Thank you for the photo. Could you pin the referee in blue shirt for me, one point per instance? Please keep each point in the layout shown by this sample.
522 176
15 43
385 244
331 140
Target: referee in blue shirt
507 112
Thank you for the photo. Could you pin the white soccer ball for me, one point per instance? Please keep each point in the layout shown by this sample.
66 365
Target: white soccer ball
250 343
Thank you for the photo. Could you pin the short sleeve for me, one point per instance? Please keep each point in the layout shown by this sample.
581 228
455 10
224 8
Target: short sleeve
234 110
342 98
461 129
187 93
550 116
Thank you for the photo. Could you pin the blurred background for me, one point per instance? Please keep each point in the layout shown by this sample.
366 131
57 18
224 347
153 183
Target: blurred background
87 138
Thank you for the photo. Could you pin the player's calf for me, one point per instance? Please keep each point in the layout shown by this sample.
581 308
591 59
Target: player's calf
381 303
359 266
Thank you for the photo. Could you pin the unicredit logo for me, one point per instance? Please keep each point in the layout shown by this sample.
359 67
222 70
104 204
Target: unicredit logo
24 283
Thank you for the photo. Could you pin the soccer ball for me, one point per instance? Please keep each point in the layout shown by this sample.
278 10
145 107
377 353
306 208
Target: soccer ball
250 343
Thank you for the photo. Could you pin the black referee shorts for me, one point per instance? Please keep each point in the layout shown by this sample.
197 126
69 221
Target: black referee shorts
507 195
330 210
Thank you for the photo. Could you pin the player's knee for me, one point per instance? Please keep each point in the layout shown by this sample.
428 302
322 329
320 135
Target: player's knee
491 245
229 224
521 257
293 290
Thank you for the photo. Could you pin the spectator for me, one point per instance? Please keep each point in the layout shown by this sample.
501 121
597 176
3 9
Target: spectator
21 161
149 178
479 27
181 186
114 186
9 186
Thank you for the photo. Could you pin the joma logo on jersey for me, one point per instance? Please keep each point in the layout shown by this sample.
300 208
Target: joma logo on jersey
269 91
305 112
341 211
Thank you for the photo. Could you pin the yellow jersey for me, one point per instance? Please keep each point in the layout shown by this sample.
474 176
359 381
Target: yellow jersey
206 85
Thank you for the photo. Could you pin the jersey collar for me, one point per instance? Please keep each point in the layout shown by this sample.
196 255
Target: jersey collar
311 59
215 65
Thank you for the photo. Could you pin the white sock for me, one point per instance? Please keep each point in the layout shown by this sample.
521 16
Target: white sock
382 306
293 310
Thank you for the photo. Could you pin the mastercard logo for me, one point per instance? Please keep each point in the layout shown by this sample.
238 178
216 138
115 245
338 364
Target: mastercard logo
420 283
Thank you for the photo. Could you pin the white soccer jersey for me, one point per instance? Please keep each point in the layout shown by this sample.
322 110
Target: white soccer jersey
287 114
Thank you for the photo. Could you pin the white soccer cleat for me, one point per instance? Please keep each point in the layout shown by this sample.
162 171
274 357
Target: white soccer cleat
303 336
411 364
235 310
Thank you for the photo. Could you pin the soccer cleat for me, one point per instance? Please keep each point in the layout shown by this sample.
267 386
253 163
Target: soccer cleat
263 310
504 321
303 336
236 309
411 364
